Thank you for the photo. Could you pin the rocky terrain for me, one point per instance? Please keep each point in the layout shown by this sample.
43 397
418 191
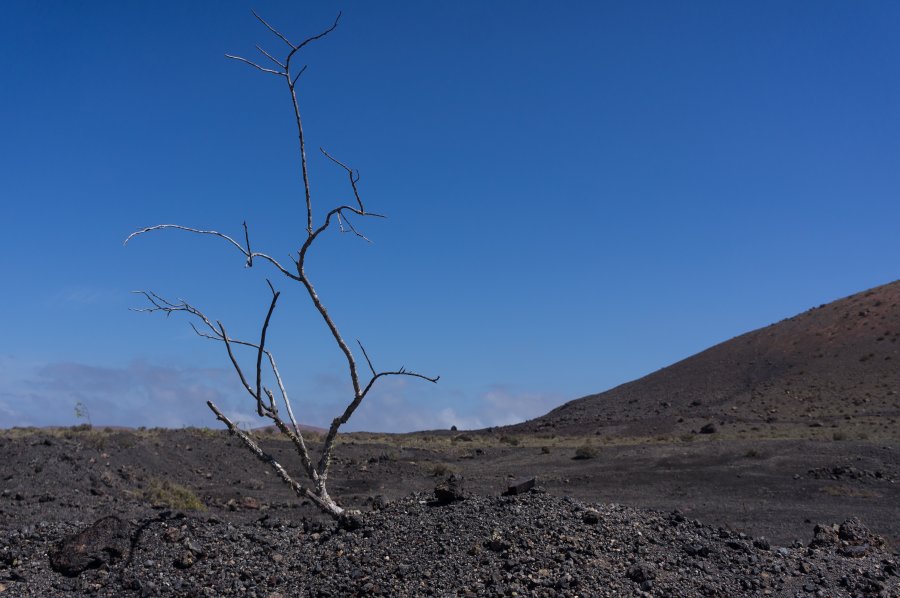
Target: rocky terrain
529 545
767 465
191 513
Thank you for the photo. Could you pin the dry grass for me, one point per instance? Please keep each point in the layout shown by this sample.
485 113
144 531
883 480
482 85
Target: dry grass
174 496
871 429
440 470
848 491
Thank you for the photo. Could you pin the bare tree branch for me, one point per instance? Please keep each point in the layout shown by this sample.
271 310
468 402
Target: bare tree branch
296 436
294 80
328 506
354 231
350 228
338 210
328 445
262 344
350 173
185 228
292 86
248 252
163 305
320 307
366 355
273 30
304 171
316 37
234 362
270 57
254 65
245 252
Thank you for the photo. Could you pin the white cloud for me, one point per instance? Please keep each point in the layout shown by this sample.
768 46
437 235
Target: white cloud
81 296
505 406
398 406
139 394
143 394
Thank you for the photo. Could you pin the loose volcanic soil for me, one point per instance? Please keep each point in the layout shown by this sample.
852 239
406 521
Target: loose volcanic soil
192 513
783 442
833 367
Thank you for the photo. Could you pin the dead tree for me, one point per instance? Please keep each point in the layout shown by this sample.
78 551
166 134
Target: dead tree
266 403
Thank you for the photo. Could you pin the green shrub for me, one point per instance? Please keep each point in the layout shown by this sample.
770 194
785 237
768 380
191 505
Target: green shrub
175 496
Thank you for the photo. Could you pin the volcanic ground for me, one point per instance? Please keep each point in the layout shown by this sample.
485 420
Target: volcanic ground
766 465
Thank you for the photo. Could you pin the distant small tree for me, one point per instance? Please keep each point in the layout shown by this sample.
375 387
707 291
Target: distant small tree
267 406
82 412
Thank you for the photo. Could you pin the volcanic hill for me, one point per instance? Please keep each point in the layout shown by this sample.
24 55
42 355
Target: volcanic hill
833 370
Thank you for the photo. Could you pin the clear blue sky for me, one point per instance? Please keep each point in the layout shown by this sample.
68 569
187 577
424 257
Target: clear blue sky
578 194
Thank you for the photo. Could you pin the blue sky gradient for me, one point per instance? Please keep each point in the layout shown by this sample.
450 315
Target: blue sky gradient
578 194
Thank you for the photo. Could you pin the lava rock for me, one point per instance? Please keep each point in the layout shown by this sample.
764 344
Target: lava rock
591 517
855 533
105 541
449 490
519 487
641 572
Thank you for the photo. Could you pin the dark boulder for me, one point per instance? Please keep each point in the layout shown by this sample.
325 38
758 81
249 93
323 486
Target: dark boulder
105 541
519 487
449 490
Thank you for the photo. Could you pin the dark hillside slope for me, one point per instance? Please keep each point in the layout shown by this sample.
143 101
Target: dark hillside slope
833 370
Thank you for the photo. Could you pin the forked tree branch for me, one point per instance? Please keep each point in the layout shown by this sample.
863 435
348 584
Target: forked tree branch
328 446
292 83
353 176
247 253
326 505
256 66
262 345
271 411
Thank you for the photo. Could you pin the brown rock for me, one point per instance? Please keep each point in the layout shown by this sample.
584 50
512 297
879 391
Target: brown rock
250 503
104 541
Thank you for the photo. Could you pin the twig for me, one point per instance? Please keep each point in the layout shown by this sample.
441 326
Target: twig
215 233
262 344
270 57
366 355
315 37
354 178
234 362
254 65
249 253
294 80
272 29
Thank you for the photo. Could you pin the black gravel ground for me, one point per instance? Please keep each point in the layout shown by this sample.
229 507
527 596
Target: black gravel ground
534 544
